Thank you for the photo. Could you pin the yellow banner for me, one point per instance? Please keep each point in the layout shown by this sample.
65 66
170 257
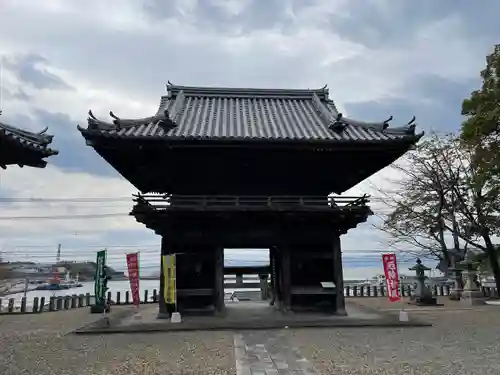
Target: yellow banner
170 280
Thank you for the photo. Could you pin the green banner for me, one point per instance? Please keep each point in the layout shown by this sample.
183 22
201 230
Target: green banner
100 277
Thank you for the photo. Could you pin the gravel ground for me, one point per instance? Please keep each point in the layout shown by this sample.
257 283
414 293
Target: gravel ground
460 342
39 345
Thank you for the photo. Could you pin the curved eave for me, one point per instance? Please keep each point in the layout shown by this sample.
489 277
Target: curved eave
38 164
337 122
93 134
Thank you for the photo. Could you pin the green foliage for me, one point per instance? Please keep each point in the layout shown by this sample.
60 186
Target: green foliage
481 128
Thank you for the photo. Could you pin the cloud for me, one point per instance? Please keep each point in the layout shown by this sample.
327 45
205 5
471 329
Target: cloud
63 57
31 70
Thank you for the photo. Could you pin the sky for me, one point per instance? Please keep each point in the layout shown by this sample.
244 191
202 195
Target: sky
61 58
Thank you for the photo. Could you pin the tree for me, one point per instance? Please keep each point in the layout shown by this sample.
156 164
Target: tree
418 206
444 195
484 269
481 132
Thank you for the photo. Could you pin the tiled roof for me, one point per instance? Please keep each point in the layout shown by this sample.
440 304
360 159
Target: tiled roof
37 142
249 114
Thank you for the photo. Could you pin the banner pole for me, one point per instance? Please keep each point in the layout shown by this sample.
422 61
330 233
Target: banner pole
174 281
104 315
400 284
138 311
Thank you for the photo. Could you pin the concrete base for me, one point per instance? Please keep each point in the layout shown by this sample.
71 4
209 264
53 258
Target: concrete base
176 318
403 316
473 297
455 294
253 316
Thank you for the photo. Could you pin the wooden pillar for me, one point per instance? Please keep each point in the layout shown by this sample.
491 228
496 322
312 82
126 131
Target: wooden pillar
338 276
239 280
272 267
264 287
166 249
279 278
219 279
286 280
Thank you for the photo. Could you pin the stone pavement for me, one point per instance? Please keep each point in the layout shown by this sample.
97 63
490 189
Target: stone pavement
268 353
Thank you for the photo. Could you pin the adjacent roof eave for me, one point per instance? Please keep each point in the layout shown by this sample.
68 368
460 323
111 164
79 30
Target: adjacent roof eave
35 142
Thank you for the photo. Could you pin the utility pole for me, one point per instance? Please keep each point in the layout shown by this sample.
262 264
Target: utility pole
58 258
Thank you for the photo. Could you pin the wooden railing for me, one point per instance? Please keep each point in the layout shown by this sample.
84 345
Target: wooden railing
249 202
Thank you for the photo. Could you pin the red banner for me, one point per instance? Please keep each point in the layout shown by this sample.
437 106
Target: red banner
391 276
133 276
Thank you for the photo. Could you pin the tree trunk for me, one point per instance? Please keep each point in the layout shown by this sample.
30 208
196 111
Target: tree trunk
493 257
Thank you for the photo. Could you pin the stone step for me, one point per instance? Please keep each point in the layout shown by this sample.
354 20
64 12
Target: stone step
248 295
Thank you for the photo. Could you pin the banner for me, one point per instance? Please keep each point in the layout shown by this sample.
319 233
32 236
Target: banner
391 276
170 288
100 276
133 276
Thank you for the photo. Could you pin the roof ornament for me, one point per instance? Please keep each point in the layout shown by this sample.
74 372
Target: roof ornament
116 120
412 120
385 124
95 123
113 115
325 87
169 83
43 131
161 119
338 125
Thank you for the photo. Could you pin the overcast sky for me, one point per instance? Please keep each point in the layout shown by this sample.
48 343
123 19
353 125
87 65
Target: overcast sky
63 57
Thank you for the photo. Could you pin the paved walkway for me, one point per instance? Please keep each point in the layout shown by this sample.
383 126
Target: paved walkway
268 353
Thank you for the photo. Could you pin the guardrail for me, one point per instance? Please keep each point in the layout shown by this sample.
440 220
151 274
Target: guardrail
51 304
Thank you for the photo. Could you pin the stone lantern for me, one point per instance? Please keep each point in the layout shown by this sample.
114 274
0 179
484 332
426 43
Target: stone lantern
472 294
422 294
456 255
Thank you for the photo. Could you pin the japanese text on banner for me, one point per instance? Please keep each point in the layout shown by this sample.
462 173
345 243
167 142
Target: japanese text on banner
133 276
170 288
391 276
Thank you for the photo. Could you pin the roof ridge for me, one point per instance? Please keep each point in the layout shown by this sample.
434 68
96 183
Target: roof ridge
173 90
